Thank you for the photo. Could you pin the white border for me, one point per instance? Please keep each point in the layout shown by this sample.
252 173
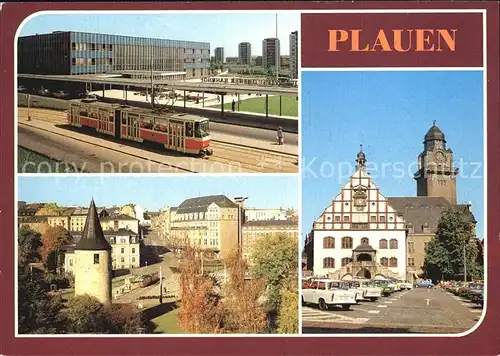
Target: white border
156 12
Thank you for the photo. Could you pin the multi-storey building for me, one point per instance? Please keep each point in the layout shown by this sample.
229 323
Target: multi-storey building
117 222
37 223
245 53
294 54
210 222
68 52
63 218
79 217
125 249
417 216
270 52
265 214
255 230
219 54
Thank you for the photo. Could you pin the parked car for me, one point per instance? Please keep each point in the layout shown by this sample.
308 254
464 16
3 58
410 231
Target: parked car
406 285
90 98
43 91
424 284
371 291
326 293
21 89
353 286
384 287
61 94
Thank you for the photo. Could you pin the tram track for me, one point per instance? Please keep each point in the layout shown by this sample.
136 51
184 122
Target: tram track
243 158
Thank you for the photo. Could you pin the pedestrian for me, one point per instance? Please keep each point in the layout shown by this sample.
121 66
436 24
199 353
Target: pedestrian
279 135
218 98
233 105
198 99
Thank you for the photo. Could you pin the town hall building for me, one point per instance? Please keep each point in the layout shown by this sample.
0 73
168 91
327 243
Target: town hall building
362 233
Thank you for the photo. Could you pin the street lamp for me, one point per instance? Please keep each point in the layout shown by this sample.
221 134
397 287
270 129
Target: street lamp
240 201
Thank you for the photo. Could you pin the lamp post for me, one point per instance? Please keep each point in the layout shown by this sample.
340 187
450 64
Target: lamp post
465 265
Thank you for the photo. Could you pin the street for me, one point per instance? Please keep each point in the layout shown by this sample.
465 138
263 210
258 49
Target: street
416 311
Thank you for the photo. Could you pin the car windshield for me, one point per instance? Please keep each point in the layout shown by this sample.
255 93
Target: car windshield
337 285
368 284
202 129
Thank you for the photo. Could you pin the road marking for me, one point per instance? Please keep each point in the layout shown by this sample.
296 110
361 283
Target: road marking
427 300
382 306
393 299
388 302
476 311
374 311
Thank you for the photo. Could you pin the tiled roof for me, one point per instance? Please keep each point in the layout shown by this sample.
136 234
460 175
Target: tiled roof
419 211
200 204
33 219
118 217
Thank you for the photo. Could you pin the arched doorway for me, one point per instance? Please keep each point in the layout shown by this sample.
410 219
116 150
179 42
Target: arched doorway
364 257
364 273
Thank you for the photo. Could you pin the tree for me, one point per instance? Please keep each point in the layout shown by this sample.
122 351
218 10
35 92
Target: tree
54 240
38 312
127 319
29 243
49 209
243 310
445 253
288 316
87 315
275 260
200 307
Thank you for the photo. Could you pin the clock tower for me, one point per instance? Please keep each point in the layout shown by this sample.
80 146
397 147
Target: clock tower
436 176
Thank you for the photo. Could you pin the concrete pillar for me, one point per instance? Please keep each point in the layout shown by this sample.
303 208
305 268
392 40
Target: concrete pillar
238 101
222 103
267 106
203 99
280 105
184 100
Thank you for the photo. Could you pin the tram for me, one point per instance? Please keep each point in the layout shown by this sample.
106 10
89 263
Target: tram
180 132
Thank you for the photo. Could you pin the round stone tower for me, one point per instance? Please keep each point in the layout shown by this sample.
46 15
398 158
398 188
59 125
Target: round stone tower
93 260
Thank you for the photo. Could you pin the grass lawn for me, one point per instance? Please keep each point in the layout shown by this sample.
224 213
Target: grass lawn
289 105
167 323
32 162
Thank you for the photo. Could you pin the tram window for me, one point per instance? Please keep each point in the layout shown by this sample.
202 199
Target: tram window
189 129
124 120
147 122
201 129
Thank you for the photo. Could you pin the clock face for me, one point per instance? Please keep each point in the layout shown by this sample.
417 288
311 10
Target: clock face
440 157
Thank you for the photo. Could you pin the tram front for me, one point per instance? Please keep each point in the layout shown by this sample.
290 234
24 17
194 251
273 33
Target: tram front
202 132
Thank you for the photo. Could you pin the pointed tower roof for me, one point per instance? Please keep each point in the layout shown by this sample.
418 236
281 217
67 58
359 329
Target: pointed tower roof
92 236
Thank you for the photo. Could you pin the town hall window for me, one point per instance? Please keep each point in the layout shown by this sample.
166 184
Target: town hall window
365 241
329 242
382 219
345 261
96 258
411 246
346 218
328 262
394 244
347 242
383 261
393 262
382 244
337 218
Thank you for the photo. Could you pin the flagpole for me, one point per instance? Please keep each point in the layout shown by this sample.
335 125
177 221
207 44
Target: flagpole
276 45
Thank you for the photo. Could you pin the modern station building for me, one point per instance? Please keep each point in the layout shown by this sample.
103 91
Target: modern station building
73 53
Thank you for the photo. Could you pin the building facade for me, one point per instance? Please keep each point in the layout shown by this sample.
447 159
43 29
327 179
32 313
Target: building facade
120 222
255 214
36 223
270 52
256 230
245 53
219 54
72 53
294 54
360 234
211 222
436 191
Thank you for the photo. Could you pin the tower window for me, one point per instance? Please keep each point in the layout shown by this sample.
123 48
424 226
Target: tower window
96 258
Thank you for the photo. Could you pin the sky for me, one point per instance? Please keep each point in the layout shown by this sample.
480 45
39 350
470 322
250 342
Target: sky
153 193
389 113
219 29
